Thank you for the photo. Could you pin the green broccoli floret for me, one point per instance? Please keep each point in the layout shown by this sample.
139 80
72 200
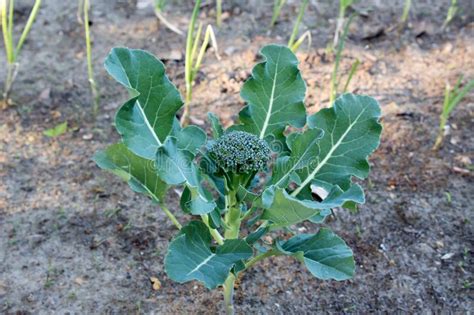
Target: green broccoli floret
240 152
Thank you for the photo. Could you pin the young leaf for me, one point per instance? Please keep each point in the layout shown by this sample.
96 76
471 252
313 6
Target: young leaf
351 133
325 254
189 256
138 172
148 117
275 94
175 166
56 131
304 150
216 126
190 138
286 210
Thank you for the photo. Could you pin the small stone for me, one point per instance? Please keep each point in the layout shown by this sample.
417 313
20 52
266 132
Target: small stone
87 136
447 256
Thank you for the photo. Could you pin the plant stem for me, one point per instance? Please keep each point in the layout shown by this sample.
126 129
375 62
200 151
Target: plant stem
29 23
215 233
262 256
229 294
233 221
170 215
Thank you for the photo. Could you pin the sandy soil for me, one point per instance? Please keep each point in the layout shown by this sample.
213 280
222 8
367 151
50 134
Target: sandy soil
74 239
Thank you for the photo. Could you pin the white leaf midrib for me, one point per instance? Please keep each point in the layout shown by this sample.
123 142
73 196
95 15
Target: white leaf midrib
204 262
328 156
270 104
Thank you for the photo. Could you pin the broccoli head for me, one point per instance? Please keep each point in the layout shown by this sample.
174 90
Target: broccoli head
240 152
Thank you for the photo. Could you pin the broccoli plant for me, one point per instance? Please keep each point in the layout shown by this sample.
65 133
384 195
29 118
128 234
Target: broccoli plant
274 169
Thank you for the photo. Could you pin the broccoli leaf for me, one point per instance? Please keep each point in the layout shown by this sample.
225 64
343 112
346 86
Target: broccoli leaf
285 210
190 257
176 166
304 150
351 133
274 93
148 117
325 254
217 129
138 172
191 138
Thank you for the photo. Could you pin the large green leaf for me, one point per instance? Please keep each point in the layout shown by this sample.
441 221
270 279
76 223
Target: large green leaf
275 94
190 257
304 149
351 133
148 117
284 210
325 254
140 173
176 166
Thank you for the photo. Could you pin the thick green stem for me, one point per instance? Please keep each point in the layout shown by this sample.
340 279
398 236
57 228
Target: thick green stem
229 294
233 222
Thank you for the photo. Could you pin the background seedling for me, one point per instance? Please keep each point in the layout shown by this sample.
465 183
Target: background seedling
12 52
452 97
292 44
335 80
343 5
406 12
218 13
90 69
56 131
277 6
159 8
193 58
453 9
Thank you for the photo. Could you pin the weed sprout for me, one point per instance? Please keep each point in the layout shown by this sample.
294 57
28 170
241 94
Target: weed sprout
335 80
277 6
159 7
453 9
90 69
193 58
294 44
452 97
12 52
343 5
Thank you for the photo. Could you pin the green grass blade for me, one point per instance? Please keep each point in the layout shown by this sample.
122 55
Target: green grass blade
353 70
277 6
340 48
219 13
303 6
7 36
29 23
